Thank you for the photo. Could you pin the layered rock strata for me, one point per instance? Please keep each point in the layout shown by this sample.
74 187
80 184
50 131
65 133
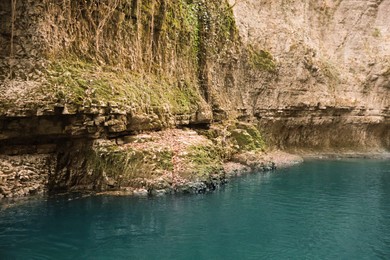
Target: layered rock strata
331 92
312 76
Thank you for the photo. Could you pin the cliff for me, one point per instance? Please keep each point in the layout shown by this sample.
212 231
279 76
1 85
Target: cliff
81 81
331 92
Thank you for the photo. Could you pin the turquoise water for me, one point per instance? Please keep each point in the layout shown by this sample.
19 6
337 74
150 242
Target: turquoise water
318 210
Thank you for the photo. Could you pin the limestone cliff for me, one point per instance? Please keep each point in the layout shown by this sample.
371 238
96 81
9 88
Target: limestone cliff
311 75
332 86
77 72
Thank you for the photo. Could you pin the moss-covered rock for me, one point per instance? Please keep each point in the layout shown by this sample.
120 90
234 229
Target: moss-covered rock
169 160
203 161
247 137
128 167
80 82
233 137
261 60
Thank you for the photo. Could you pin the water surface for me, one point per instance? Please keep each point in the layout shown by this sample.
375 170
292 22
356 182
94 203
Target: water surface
318 210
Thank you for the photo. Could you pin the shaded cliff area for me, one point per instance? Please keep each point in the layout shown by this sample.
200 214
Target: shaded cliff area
135 95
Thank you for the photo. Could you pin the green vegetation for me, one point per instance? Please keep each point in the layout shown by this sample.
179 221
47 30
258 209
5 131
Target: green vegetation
235 137
126 165
164 38
159 58
204 160
77 81
262 60
169 162
376 33
248 138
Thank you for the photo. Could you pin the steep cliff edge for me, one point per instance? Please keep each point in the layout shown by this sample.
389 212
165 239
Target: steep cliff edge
331 92
79 79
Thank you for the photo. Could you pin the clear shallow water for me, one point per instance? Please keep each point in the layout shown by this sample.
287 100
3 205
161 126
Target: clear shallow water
318 210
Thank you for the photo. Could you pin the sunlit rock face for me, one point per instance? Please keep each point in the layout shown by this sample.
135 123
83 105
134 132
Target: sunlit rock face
314 76
311 74
332 89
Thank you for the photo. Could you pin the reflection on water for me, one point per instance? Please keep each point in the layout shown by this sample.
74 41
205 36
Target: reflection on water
321 209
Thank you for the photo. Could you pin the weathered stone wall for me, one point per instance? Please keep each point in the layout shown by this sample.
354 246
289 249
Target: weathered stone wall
331 90
313 75
22 48
5 36
329 130
22 175
5 28
62 82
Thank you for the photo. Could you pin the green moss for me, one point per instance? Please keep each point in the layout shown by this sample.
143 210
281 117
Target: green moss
258 140
247 137
204 160
164 160
243 139
124 166
192 23
147 49
76 81
235 137
262 60
227 24
218 33
376 33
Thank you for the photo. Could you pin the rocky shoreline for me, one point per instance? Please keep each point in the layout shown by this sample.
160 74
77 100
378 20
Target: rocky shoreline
154 163
240 164
171 161
265 162
384 155
141 102
204 177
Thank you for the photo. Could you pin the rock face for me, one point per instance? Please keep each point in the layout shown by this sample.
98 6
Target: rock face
311 75
332 87
25 175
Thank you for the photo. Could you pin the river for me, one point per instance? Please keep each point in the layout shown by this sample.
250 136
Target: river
336 209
